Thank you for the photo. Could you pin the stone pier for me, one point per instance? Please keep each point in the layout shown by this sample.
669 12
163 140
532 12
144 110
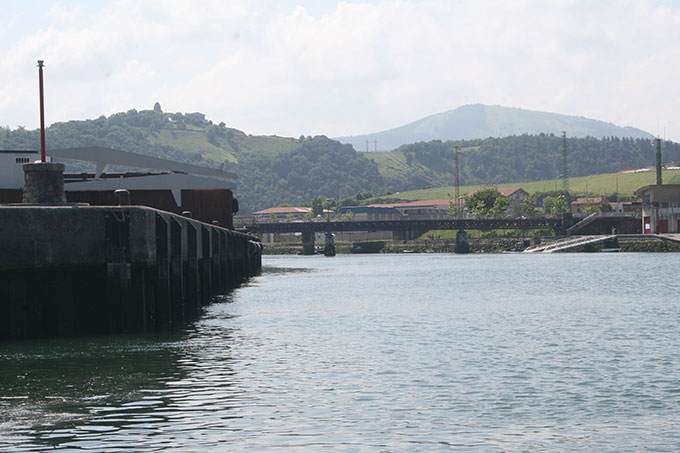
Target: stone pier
81 270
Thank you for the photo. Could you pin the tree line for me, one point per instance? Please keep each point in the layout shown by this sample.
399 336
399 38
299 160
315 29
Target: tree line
521 158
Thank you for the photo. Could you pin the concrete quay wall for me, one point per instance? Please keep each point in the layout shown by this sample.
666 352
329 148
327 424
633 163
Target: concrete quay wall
79 270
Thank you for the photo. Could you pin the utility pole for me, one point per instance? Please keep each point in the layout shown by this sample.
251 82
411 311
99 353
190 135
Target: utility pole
457 182
658 162
617 187
41 63
375 144
565 169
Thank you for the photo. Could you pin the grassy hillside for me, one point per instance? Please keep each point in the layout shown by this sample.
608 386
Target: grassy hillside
604 184
395 163
197 142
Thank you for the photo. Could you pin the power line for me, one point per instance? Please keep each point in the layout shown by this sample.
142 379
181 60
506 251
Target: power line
457 181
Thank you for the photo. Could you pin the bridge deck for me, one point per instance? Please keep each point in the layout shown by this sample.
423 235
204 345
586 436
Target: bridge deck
406 225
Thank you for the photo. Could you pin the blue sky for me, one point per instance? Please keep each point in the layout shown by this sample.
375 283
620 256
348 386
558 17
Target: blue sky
296 67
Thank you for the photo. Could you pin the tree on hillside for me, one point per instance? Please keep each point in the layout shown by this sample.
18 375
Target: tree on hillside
317 166
529 205
606 207
454 209
500 205
316 204
555 205
487 202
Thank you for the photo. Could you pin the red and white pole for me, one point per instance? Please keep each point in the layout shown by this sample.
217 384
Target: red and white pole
42 111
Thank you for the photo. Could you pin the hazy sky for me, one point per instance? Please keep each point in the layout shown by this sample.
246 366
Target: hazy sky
314 67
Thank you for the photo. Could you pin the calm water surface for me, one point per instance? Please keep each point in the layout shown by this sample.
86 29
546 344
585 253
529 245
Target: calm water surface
427 352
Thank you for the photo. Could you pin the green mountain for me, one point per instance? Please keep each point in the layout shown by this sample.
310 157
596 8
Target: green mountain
482 121
274 170
271 170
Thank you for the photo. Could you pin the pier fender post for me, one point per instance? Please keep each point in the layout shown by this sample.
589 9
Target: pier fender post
117 240
462 242
239 259
224 260
231 257
161 310
205 266
242 257
177 254
259 256
253 253
191 269
215 255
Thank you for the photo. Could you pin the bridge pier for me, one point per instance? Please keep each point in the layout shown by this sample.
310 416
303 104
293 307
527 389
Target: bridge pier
462 242
308 243
329 244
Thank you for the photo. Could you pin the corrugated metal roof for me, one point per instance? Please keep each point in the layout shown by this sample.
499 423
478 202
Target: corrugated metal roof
284 210
594 200
414 204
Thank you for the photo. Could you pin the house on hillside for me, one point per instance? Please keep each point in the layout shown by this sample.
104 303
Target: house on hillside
660 208
582 204
627 207
515 195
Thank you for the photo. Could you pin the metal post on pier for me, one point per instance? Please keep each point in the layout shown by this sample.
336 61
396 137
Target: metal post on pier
41 64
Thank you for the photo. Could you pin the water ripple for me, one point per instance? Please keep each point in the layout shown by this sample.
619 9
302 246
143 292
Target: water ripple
377 353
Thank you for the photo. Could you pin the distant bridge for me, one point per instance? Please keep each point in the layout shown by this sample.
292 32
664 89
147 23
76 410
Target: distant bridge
411 228
555 224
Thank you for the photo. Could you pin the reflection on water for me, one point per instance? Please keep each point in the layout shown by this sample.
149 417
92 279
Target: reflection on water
394 353
274 270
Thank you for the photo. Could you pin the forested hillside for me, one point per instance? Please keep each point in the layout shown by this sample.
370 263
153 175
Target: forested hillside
275 170
271 170
516 158
317 167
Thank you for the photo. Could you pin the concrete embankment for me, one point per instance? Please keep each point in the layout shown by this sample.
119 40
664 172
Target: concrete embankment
74 270
477 245
632 243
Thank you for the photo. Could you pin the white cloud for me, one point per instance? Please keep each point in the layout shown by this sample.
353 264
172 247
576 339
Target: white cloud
354 67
